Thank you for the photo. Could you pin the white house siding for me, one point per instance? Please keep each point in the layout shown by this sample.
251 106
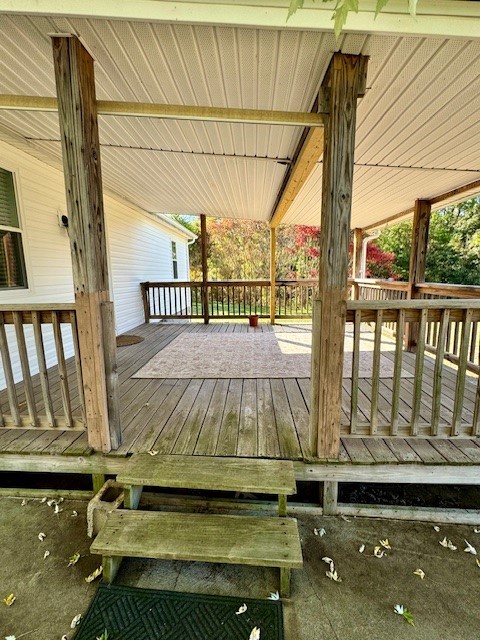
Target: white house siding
139 249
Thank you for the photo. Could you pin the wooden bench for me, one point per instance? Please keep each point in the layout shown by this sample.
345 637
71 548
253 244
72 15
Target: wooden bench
258 541
246 475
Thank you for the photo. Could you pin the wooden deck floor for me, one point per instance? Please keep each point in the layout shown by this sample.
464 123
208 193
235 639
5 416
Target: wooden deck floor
251 418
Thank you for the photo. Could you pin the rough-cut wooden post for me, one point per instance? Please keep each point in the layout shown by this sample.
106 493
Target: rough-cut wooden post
418 259
203 239
344 82
74 76
357 259
273 272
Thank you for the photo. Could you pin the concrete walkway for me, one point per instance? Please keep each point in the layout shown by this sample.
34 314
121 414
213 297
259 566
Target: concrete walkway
444 605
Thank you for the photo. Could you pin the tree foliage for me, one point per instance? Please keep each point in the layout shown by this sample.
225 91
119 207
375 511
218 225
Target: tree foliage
453 253
344 7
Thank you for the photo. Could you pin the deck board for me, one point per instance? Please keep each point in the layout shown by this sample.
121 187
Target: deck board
249 418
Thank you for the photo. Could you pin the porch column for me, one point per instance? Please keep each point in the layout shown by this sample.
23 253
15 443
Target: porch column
203 240
273 272
357 258
74 76
344 82
418 261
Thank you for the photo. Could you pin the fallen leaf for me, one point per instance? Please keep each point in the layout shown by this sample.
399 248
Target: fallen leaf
385 543
420 573
76 621
73 559
327 560
46 554
104 636
319 532
333 575
476 531
436 528
477 561
43 500
57 509
9 600
470 549
94 574
345 518
274 596
403 611
241 610
42 536
10 638
152 452
60 500
255 635
448 544
378 552
361 549
24 502
51 502
74 514
64 638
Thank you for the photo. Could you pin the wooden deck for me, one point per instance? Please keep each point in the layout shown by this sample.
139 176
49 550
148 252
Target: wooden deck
251 418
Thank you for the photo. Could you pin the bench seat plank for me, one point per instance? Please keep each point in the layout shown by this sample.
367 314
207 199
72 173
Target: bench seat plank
210 473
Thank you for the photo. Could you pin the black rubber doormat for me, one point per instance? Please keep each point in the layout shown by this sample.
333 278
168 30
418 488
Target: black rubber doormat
128 613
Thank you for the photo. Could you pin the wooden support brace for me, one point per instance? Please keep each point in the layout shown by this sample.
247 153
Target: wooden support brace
330 498
98 480
285 582
282 505
133 493
111 565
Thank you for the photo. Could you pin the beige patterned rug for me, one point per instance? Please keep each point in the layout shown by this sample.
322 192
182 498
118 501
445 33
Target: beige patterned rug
253 355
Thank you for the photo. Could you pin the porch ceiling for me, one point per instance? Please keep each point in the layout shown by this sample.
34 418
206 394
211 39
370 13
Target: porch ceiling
417 130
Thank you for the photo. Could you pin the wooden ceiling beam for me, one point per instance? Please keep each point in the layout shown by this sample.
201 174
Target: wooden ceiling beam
172 111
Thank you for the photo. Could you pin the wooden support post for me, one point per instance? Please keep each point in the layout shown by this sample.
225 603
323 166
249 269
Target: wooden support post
344 82
74 76
330 498
98 480
357 259
273 273
204 239
418 260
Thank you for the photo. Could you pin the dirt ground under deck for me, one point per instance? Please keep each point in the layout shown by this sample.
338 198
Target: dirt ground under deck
444 605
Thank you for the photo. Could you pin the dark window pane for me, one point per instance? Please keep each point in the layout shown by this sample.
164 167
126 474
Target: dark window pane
12 267
8 207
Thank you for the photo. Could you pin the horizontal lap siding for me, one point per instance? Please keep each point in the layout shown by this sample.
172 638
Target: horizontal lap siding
140 251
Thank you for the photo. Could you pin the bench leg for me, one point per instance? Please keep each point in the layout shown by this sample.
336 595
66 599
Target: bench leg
285 575
132 496
111 565
282 505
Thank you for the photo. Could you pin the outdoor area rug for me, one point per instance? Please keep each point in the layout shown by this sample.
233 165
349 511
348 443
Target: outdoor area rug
129 613
254 355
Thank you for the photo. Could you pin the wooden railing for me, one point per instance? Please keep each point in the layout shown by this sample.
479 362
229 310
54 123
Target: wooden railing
42 377
377 398
227 299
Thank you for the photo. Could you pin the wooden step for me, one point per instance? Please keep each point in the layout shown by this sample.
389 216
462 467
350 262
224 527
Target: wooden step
248 475
258 541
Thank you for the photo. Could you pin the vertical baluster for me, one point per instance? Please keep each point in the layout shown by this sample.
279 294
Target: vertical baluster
419 362
25 366
473 342
78 363
397 371
42 368
357 326
449 338
456 336
8 372
438 371
461 372
62 369
377 348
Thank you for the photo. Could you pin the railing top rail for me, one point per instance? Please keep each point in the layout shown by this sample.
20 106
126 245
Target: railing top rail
225 283
52 306
381 284
459 290
354 305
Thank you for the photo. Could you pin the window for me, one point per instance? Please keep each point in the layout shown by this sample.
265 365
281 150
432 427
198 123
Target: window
174 261
12 263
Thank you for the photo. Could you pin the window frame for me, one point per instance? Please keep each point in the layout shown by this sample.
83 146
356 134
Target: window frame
26 288
174 251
